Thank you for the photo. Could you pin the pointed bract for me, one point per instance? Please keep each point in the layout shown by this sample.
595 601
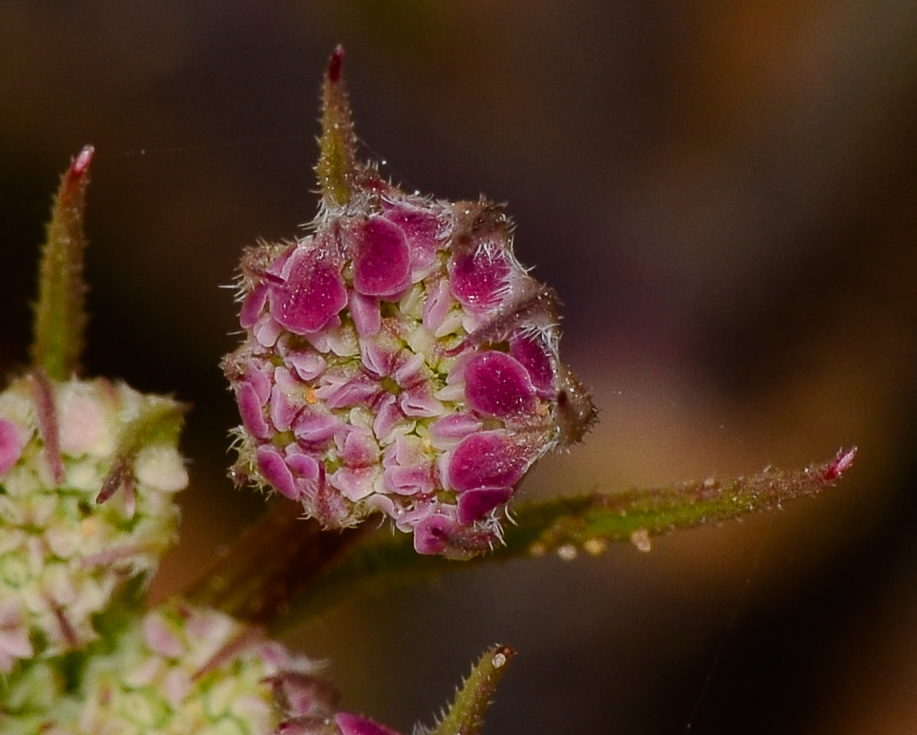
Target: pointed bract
466 714
60 317
337 167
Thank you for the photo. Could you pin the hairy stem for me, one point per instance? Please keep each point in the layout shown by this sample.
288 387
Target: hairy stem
564 525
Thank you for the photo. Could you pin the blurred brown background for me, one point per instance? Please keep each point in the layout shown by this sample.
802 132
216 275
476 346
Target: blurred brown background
725 194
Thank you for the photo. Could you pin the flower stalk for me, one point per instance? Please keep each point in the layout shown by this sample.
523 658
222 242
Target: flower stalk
272 565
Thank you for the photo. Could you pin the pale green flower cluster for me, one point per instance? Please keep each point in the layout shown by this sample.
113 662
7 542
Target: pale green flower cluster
88 474
178 670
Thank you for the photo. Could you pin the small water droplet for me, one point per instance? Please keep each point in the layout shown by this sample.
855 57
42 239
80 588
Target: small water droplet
595 546
498 661
537 549
567 552
641 539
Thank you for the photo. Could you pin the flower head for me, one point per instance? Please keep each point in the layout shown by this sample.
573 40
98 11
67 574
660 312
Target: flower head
398 359
179 668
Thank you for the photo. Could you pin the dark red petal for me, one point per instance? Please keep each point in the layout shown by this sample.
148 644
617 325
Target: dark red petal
420 230
475 504
487 459
275 471
311 294
381 260
535 356
497 385
432 535
478 278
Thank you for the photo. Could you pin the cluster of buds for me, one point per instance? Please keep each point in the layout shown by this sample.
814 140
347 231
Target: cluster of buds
88 474
398 359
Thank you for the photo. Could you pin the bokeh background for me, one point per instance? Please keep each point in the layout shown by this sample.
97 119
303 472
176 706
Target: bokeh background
725 194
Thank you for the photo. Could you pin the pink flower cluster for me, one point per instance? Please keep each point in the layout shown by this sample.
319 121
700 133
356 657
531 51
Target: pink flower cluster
400 360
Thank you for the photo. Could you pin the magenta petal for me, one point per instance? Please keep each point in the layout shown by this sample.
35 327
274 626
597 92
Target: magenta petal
355 483
259 375
305 466
357 447
252 306
249 409
418 402
359 389
311 294
409 480
455 426
311 428
475 504
405 451
282 409
497 385
307 365
266 331
437 305
388 416
420 230
351 724
487 459
381 359
366 316
535 356
276 472
380 503
433 534
479 278
10 445
412 372
381 261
